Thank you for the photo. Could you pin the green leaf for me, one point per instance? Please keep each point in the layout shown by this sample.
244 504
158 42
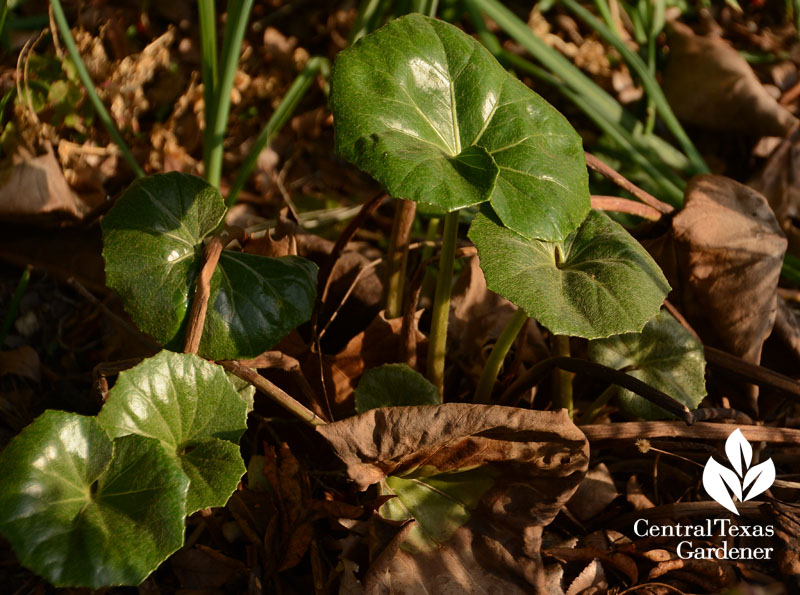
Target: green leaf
428 112
394 385
664 355
596 283
153 244
440 503
83 512
193 409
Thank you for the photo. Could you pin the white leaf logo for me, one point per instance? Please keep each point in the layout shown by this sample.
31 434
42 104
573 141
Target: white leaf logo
721 482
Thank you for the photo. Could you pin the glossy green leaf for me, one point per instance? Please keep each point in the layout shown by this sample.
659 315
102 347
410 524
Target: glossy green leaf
596 283
428 112
193 409
394 385
152 245
440 503
81 511
664 355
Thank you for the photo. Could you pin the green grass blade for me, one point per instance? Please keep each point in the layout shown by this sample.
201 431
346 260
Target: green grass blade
668 185
281 115
210 69
369 12
13 307
658 151
649 83
99 108
791 269
235 26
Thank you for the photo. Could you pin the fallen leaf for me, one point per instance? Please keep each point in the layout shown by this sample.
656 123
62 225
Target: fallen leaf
33 189
779 182
204 568
529 463
730 251
22 361
596 492
709 84
592 579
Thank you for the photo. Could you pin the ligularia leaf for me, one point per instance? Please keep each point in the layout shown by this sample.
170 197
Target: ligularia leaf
428 112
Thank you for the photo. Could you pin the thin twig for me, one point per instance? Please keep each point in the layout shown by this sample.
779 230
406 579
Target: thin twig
123 324
281 361
275 393
571 364
202 291
623 205
702 430
605 170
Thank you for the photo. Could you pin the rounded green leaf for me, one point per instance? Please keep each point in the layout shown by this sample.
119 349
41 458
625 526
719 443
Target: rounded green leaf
428 112
190 406
596 283
664 355
153 245
440 503
82 511
394 385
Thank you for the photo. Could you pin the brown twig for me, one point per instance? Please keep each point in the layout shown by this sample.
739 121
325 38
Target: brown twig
623 205
605 170
349 232
397 260
123 324
634 430
579 366
275 393
202 291
281 361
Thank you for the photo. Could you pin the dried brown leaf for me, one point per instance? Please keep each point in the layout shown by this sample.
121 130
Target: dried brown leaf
709 84
536 460
595 493
730 249
23 362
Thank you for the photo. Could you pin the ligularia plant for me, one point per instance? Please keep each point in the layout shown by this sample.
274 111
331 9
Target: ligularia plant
428 112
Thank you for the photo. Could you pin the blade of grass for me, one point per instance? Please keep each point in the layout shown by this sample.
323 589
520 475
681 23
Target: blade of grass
210 69
367 18
658 151
280 116
483 392
88 84
667 184
235 25
648 81
791 269
13 307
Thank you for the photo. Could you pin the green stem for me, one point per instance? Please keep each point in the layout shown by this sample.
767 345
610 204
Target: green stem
430 234
88 84
605 13
235 25
588 416
210 69
483 393
13 307
562 378
437 342
791 269
649 83
279 117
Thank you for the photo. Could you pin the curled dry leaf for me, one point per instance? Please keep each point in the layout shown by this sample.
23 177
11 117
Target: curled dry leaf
33 188
709 84
730 251
594 494
522 465
779 182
